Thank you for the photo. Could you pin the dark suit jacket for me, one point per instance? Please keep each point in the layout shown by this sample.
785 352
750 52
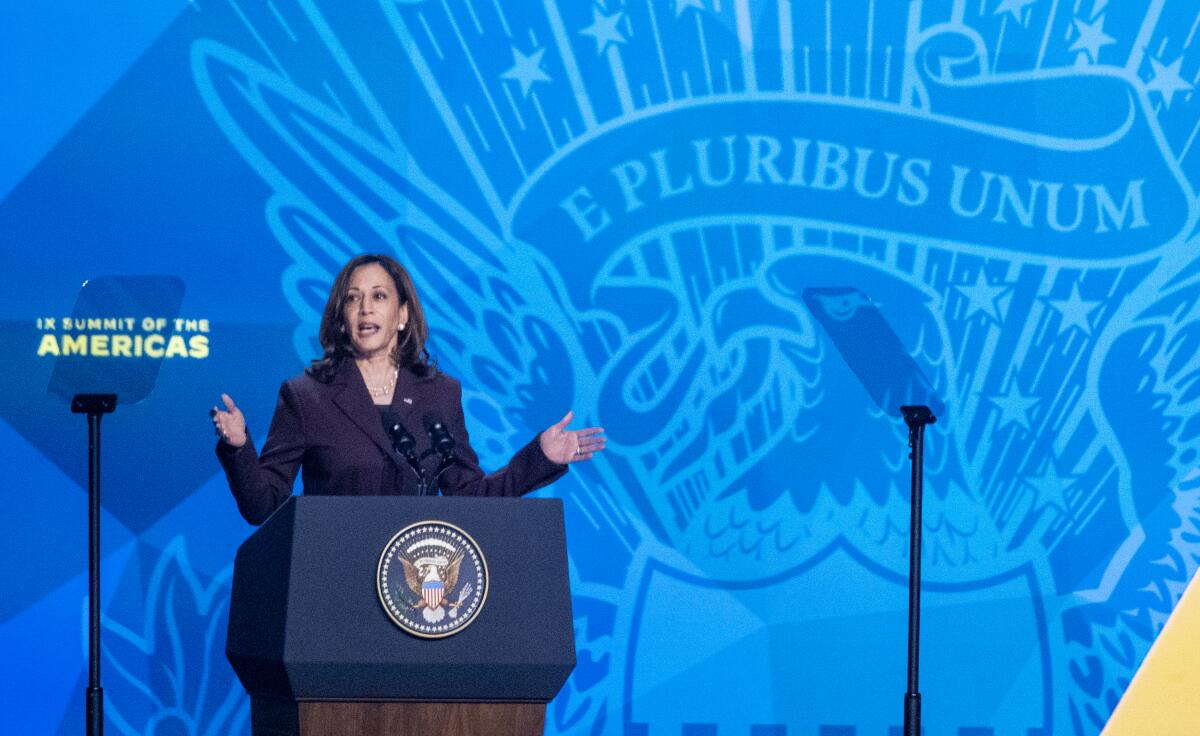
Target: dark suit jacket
333 432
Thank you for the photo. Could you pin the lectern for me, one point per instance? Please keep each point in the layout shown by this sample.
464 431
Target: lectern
313 641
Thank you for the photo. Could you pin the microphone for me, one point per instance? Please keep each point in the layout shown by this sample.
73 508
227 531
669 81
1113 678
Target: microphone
402 441
439 437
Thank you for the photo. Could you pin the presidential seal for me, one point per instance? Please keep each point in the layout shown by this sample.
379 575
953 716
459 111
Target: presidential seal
432 579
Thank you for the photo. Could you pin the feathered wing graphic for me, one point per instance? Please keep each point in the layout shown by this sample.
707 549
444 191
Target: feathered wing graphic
502 320
450 576
170 661
1111 626
412 578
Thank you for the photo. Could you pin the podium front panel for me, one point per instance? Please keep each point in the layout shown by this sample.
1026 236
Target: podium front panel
338 642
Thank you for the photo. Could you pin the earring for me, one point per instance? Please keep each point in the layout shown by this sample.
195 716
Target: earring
402 325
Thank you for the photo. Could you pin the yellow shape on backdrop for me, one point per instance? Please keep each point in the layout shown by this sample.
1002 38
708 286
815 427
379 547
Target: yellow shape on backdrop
1164 697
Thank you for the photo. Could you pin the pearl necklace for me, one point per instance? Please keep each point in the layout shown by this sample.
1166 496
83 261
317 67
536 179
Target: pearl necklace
386 388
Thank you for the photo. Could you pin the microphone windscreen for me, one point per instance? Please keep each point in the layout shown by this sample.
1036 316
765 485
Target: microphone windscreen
401 439
439 435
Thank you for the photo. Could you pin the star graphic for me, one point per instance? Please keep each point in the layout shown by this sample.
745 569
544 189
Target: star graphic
1075 311
1091 38
604 29
1050 487
526 70
1166 80
1014 8
1014 407
981 297
682 5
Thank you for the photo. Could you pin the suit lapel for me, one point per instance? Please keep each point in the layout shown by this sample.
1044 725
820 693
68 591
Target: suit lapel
352 398
406 411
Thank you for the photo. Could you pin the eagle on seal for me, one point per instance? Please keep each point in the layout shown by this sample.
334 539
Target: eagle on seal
432 579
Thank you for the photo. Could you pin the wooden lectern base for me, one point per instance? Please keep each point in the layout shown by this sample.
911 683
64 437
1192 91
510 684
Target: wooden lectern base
279 717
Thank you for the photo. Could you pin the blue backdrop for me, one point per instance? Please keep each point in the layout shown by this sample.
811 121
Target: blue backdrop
725 230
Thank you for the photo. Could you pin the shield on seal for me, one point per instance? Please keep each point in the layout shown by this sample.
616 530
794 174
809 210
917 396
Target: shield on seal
432 591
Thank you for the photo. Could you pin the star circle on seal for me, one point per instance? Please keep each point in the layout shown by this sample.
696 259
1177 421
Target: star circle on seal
432 579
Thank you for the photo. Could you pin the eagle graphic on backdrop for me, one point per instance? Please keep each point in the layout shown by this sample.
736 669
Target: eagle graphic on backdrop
433 579
738 438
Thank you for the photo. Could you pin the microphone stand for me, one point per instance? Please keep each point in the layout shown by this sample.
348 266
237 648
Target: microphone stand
441 443
428 483
916 417
422 481
405 446
95 406
447 461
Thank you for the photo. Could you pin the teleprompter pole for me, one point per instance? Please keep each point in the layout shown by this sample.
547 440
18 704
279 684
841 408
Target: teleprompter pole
916 417
95 406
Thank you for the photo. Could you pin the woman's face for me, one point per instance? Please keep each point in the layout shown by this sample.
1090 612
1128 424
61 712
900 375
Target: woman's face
373 312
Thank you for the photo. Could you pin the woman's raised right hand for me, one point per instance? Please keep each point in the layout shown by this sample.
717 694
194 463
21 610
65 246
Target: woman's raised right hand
230 423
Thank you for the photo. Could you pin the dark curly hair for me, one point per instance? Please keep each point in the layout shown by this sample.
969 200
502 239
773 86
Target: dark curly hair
410 349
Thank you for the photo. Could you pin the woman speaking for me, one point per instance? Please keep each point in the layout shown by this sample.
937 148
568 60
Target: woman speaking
374 416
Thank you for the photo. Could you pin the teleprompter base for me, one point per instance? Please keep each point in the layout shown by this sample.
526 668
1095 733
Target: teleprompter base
282 717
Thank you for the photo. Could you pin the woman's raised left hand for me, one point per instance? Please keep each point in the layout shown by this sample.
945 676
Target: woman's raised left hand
562 445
